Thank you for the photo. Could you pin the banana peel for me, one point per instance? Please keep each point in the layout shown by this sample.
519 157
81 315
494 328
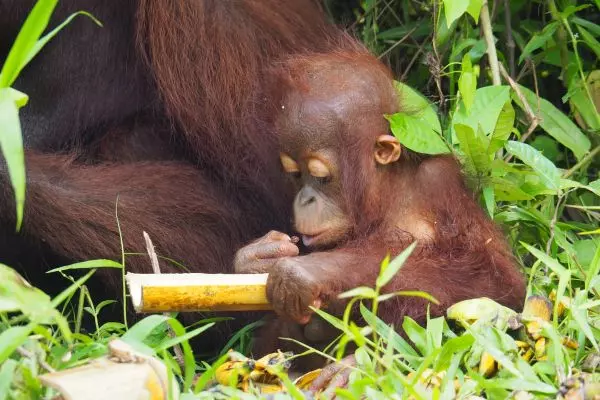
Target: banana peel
528 324
260 375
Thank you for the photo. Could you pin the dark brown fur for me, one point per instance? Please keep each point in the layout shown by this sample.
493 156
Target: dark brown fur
162 108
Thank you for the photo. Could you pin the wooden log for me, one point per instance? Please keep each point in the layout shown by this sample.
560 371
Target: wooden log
198 292
122 375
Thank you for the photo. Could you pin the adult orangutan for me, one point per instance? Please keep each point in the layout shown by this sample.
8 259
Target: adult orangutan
359 195
162 108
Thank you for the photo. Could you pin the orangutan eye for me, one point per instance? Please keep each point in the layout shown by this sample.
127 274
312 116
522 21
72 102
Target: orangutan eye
289 165
318 168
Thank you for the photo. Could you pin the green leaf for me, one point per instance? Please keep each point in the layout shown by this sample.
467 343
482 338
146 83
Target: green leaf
454 9
474 9
536 160
590 40
417 105
487 106
580 315
394 266
12 338
539 39
384 330
11 143
594 28
489 200
90 264
467 83
416 134
581 103
34 26
503 128
7 372
39 45
361 291
142 329
418 126
416 333
557 124
474 149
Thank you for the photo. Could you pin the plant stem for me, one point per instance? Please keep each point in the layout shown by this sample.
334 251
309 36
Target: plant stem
588 157
488 34
560 36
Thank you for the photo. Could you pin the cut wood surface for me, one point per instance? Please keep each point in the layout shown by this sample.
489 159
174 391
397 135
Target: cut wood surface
198 292
123 374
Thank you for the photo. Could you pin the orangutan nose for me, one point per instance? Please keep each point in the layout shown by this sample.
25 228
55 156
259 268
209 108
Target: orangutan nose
306 196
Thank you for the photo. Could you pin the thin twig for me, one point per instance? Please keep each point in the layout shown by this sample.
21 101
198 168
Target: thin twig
588 158
392 47
156 269
552 226
510 42
533 118
23 352
413 60
434 62
486 26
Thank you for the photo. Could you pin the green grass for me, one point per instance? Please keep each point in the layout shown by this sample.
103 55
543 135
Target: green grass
531 148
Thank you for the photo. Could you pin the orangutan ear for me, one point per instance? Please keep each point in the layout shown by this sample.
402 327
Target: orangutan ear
387 150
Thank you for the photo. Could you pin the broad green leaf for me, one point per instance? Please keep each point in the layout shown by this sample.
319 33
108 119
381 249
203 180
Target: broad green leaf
416 333
32 29
416 134
590 40
536 160
474 8
557 124
581 103
11 143
467 82
39 45
16 294
539 39
12 338
454 9
415 104
503 128
489 102
142 329
474 147
90 264
595 184
394 266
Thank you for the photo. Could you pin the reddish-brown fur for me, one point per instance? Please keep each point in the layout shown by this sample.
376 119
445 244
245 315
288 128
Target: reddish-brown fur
461 255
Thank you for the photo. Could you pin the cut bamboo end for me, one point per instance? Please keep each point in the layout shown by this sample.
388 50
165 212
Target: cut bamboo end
198 292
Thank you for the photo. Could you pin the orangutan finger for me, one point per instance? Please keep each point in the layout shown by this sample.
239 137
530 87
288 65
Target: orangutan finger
277 249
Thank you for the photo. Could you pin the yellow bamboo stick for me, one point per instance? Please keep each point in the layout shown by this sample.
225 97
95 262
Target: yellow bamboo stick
198 292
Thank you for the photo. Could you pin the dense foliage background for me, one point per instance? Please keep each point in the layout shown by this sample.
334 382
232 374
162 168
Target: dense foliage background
513 89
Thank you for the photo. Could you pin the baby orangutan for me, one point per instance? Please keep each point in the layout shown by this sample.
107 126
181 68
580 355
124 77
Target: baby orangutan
361 195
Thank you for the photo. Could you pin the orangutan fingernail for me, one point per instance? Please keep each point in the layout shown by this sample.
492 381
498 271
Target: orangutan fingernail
316 304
